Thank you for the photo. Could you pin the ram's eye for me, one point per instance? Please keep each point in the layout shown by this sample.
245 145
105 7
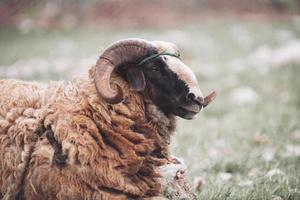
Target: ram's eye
154 68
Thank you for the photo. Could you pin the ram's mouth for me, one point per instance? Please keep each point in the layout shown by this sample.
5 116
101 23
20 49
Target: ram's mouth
188 111
192 107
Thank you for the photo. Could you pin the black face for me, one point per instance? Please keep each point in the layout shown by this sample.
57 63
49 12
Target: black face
164 88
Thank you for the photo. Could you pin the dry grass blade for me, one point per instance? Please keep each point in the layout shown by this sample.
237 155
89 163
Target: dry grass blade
209 98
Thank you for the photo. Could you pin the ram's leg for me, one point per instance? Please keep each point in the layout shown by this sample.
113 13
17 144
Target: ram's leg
174 182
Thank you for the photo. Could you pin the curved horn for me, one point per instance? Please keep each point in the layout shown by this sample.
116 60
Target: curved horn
120 52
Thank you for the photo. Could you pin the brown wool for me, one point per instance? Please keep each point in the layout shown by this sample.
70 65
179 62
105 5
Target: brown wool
112 150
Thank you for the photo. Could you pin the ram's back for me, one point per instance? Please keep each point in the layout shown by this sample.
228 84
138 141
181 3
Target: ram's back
15 94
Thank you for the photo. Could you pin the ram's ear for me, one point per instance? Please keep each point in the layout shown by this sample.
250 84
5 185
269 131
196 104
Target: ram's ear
136 79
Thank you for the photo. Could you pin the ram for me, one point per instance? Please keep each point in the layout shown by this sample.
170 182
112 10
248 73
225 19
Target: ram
102 137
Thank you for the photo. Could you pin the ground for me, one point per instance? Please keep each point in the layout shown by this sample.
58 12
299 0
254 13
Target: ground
246 144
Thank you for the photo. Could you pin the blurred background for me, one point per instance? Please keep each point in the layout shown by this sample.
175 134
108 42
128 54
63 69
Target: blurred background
246 144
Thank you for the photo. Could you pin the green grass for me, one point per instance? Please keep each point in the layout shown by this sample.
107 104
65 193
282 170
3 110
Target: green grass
220 139
273 116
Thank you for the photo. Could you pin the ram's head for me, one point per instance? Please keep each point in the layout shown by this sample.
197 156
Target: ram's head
154 68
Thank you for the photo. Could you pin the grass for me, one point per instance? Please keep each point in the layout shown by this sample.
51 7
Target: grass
231 136
245 143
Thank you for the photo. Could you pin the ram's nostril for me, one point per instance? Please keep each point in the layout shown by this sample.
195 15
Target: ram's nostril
194 98
200 100
191 96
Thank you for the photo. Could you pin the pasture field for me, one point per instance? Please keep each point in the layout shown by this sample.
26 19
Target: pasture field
246 144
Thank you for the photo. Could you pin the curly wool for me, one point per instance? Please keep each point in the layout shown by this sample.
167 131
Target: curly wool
112 150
